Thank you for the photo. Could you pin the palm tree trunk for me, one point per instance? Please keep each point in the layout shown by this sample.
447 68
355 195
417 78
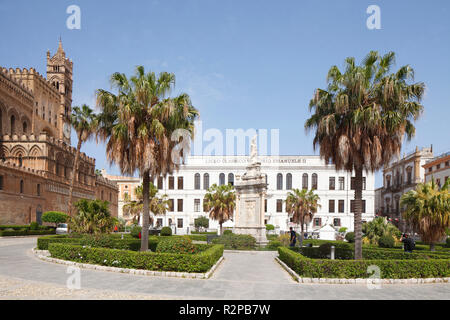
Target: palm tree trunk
146 211
301 230
74 171
358 213
220 225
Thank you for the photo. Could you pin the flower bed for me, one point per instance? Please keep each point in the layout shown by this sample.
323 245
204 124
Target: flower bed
199 262
399 268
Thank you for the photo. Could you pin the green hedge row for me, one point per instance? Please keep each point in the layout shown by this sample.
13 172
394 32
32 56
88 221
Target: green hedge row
7 233
22 227
370 254
200 262
236 241
353 269
199 232
114 242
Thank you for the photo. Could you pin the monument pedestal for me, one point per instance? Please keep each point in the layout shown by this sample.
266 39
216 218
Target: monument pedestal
250 194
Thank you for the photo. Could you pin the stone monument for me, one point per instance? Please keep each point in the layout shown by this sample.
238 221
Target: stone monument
250 194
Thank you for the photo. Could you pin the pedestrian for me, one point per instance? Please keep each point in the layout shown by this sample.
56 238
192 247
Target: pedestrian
293 238
408 243
139 234
115 229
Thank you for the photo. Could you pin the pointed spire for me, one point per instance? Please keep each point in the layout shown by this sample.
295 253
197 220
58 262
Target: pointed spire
60 48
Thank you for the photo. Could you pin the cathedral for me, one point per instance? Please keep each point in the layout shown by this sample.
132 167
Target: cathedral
36 156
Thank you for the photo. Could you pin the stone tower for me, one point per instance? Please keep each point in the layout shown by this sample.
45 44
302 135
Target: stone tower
59 73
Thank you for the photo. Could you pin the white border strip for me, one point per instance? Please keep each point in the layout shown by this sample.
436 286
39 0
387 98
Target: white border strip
359 281
45 256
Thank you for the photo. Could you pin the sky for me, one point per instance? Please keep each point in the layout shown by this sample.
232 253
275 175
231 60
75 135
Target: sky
244 63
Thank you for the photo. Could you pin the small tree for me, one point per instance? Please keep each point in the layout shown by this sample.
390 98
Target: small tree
201 223
55 217
220 201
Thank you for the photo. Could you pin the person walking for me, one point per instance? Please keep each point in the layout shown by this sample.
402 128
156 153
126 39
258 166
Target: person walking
408 243
293 238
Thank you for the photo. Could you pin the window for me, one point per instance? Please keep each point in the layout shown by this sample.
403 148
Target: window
341 206
265 205
20 161
180 205
38 190
409 175
180 183
1 182
196 205
332 183
279 181
160 183
430 169
159 222
171 183
171 205
438 166
388 181
337 222
21 186
180 223
289 181
314 181
341 183
206 181
231 179
221 179
197 181
305 181
24 128
279 205
317 222
352 206
13 125
331 206
110 197
447 163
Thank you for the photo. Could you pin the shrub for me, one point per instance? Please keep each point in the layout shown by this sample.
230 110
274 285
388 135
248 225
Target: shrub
201 222
200 232
350 237
342 229
274 244
200 262
386 241
391 269
135 230
33 226
227 232
55 217
176 245
270 227
236 241
166 231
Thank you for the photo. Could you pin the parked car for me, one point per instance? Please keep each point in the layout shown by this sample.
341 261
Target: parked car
62 228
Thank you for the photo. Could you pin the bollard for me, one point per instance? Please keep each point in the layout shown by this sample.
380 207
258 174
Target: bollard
332 252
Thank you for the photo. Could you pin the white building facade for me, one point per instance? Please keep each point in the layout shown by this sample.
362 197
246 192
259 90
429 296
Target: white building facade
187 188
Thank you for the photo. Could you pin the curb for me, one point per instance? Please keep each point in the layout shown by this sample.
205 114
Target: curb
44 255
371 281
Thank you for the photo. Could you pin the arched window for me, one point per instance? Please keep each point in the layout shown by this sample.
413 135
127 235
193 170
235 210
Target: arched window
289 181
13 124
206 181
231 179
314 181
279 181
409 175
221 179
197 181
305 181
24 127
20 161
21 186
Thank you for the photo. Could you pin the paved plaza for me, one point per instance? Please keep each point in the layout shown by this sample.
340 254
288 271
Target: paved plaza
242 275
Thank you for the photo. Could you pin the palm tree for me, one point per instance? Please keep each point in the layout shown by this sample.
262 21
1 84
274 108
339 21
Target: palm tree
84 121
360 120
428 209
138 123
302 204
131 208
379 227
93 216
220 201
158 205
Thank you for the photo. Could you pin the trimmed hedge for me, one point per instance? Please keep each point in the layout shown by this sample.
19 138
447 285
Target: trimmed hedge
200 232
353 269
200 262
115 242
236 241
26 232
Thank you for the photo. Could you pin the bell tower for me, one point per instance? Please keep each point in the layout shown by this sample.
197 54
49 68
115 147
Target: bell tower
59 74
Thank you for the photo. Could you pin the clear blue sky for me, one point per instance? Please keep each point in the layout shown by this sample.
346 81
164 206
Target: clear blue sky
238 59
